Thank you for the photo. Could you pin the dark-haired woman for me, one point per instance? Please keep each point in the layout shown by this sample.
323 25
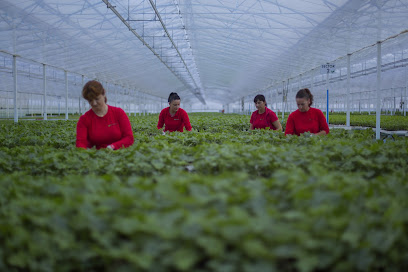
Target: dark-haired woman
103 126
263 117
306 118
174 118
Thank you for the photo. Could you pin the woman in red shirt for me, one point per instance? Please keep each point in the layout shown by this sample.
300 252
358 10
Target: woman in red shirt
306 118
173 117
263 117
103 126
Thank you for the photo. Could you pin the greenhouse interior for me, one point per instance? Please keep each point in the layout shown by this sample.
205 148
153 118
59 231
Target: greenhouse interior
220 195
215 55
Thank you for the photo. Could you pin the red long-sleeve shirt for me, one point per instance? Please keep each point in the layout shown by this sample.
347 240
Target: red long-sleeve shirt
174 123
264 120
312 121
112 129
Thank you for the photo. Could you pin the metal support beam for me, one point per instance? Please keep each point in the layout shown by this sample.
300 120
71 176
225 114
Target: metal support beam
80 95
348 90
15 88
327 96
378 114
66 95
45 91
406 87
283 100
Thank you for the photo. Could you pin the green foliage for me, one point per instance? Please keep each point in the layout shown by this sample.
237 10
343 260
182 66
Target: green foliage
218 198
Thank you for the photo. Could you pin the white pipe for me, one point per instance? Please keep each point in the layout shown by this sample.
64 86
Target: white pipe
7 104
406 100
283 100
348 90
393 107
45 92
378 116
15 88
327 97
406 87
66 95
79 97
30 98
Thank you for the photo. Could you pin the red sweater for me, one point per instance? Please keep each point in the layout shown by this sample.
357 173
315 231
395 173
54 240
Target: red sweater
312 121
112 129
264 120
174 123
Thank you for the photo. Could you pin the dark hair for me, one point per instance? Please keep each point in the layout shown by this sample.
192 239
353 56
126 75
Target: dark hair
173 96
92 89
260 97
305 93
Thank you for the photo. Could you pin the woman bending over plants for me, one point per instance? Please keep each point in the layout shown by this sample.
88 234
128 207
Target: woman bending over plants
103 126
173 118
263 117
306 118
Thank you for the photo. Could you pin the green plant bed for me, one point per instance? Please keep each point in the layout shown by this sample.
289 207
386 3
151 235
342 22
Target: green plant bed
217 198
292 221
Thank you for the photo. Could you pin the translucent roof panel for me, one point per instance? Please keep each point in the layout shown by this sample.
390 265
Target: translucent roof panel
208 50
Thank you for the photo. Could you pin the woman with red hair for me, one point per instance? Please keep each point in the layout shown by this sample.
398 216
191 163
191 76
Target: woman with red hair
103 126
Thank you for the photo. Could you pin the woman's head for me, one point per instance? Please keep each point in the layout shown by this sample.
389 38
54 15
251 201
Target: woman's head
304 99
174 102
94 92
260 102
173 96
92 89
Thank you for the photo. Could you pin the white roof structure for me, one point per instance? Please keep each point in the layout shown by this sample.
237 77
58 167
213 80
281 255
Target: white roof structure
210 51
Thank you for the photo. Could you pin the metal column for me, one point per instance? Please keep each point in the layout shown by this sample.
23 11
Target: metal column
45 92
283 100
66 95
348 90
378 115
80 95
327 96
406 87
15 88
406 100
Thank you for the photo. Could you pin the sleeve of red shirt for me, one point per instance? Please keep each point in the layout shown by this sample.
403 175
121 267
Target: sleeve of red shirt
186 121
126 129
160 124
322 122
290 125
82 133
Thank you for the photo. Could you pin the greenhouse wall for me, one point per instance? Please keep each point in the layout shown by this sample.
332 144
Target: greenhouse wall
280 96
62 92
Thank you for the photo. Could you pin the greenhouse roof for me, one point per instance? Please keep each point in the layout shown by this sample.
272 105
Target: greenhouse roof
208 50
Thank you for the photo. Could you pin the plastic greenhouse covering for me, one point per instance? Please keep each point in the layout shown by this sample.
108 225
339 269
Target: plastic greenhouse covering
215 54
